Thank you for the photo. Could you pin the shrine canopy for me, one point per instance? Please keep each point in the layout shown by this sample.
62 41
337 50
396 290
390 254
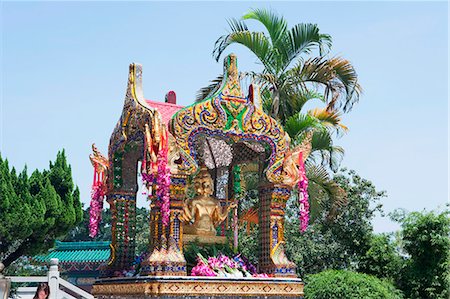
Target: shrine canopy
227 125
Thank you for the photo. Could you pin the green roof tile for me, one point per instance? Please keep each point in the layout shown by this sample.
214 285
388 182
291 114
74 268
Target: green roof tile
82 252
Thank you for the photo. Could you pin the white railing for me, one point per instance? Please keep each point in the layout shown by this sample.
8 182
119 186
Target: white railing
54 282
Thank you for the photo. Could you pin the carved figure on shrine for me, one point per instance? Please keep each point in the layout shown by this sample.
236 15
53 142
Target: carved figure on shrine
203 212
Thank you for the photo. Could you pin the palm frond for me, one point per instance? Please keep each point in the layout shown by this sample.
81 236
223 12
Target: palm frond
276 26
322 145
257 42
346 76
316 70
210 89
336 155
299 124
321 140
221 43
330 157
324 191
267 100
292 101
336 75
330 119
262 79
302 39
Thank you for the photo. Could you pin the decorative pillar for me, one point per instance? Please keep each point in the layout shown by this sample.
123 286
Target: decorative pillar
166 244
123 231
272 258
178 186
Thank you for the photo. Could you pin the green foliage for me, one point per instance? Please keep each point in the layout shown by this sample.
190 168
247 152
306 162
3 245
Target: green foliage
350 285
81 231
25 266
426 240
37 209
381 259
248 244
324 193
297 70
339 242
353 222
314 250
288 79
142 230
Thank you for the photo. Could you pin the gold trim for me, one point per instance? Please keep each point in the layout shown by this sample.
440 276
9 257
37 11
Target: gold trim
270 288
113 255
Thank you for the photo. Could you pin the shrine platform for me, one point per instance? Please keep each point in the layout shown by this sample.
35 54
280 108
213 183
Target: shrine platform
194 287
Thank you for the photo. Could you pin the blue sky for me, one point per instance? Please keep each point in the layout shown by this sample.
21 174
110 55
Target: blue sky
64 73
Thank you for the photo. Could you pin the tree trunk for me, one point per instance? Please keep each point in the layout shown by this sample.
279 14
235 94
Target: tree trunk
16 254
275 103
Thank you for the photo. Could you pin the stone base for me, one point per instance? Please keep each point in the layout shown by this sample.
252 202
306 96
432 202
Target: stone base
197 287
204 239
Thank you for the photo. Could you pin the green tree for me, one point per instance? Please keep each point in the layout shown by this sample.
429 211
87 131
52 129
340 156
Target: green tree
426 240
293 75
381 259
350 285
37 209
289 79
142 230
80 233
342 242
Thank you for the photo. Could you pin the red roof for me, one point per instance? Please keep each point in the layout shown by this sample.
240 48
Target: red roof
167 110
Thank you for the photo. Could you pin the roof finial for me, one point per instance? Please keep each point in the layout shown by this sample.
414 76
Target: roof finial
231 75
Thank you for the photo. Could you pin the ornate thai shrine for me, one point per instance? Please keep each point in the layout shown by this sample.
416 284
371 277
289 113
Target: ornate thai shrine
190 168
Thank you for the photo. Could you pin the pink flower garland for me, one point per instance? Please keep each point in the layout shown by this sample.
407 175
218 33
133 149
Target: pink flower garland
163 185
96 206
160 175
147 182
303 196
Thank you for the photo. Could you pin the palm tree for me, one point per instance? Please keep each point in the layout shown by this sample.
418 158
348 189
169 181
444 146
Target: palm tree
289 80
323 124
324 193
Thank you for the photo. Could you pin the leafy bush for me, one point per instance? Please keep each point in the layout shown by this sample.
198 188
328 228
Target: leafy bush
425 237
346 284
339 242
381 259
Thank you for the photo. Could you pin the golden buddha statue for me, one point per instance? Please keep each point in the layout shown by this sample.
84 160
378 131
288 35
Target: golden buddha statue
203 212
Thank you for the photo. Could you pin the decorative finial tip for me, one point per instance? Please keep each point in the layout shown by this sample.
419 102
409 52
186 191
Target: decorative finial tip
231 64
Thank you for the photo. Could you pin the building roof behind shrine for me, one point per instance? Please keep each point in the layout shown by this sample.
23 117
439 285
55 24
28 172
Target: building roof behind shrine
77 252
167 110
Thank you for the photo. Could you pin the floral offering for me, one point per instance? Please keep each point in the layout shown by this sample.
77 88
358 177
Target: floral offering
223 266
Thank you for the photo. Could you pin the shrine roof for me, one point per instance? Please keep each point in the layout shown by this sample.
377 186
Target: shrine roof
77 252
167 110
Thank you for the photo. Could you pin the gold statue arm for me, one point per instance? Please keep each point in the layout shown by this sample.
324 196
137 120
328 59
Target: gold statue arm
188 212
220 216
